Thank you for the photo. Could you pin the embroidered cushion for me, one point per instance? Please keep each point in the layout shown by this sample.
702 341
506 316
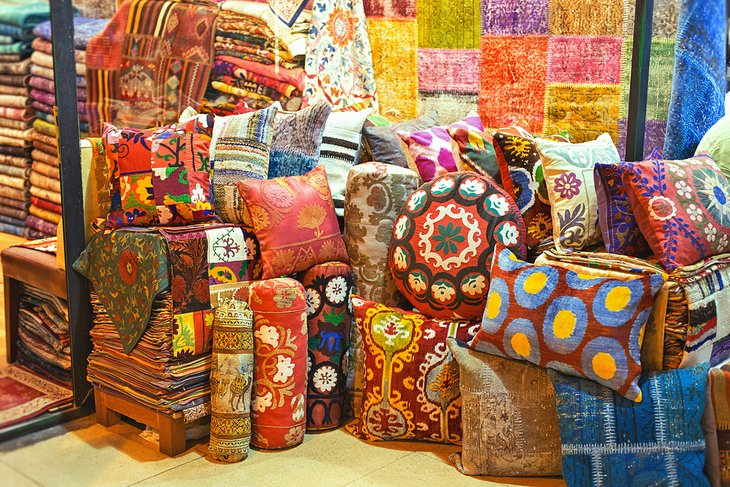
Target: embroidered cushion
340 150
571 189
296 141
328 288
579 324
522 176
383 143
159 177
278 408
619 228
508 417
608 440
294 221
682 207
239 150
443 241
411 379
431 149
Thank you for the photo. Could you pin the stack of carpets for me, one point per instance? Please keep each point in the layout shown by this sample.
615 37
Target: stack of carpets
17 20
258 60
45 180
44 343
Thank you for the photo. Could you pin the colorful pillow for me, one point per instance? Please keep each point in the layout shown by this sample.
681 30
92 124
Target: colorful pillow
619 228
159 177
328 288
578 324
339 151
682 207
431 149
508 417
522 176
571 189
231 380
383 143
294 221
278 409
239 150
296 140
608 440
443 242
412 381
476 149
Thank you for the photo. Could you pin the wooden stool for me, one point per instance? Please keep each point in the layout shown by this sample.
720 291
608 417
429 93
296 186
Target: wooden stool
110 407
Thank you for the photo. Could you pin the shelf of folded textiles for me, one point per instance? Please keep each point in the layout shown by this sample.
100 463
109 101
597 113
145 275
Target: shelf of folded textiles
686 326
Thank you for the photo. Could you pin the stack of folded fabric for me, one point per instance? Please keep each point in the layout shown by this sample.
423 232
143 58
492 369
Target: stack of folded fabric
17 19
258 60
44 344
45 182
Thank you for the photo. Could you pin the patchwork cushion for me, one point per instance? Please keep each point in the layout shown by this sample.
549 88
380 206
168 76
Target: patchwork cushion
159 177
431 149
608 440
328 288
296 141
278 410
239 150
579 324
383 143
375 195
522 176
571 188
412 381
339 151
294 222
682 207
508 417
619 228
231 380
443 242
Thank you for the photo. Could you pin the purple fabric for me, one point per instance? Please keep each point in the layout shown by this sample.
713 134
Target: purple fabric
41 225
515 17
49 86
654 135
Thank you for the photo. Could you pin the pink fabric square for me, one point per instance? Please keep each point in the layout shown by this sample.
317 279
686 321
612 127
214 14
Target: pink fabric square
584 59
449 70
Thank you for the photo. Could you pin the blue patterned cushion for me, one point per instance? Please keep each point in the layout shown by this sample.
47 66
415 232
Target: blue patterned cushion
608 440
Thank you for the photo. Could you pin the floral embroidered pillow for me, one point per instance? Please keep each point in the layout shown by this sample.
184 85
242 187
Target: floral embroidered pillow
294 221
578 324
571 189
160 177
619 228
682 207
522 177
431 150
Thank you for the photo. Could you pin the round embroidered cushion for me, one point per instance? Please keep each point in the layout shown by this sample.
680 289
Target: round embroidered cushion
443 240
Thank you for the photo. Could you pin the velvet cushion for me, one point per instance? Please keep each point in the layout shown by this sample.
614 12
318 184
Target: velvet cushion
384 145
160 177
328 287
608 440
443 241
682 207
571 189
412 381
294 221
579 324
510 427
431 150
278 409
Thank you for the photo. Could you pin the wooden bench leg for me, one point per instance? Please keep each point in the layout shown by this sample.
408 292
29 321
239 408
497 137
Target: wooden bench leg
104 416
172 435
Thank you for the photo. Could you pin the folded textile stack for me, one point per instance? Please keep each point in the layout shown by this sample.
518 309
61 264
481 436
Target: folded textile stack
45 182
258 59
17 20
44 343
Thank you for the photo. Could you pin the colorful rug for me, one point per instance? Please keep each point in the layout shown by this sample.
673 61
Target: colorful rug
24 395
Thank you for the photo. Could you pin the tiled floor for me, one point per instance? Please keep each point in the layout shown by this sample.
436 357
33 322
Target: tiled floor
82 453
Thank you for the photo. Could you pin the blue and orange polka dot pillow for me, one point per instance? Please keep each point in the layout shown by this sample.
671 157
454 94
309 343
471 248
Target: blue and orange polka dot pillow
581 325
